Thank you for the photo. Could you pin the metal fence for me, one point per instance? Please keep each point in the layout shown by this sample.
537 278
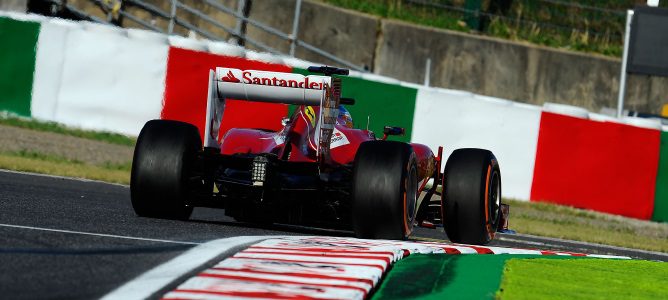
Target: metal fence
118 10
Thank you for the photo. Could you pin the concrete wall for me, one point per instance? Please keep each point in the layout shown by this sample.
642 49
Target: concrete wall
347 34
14 5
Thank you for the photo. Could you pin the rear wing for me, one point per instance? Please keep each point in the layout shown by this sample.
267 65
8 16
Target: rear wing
274 87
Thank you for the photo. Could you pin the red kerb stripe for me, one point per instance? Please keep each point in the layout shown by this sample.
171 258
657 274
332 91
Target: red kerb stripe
449 250
261 295
265 280
307 275
324 250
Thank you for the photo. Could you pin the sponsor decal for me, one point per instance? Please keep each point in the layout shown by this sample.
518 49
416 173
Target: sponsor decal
339 139
271 79
230 77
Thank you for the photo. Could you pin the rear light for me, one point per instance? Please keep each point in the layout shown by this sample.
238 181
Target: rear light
259 170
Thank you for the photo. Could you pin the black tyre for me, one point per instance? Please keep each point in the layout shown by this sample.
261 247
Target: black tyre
384 193
163 163
472 197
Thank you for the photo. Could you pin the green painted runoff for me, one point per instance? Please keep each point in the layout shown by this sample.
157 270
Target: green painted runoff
440 276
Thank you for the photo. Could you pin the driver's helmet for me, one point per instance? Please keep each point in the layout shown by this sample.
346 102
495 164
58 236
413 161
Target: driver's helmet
345 118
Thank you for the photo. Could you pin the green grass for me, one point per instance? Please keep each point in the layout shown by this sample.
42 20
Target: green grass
558 221
43 157
127 166
584 279
608 26
112 138
393 9
28 161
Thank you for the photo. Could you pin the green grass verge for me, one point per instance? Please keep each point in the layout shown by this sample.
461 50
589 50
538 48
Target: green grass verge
582 225
584 279
112 138
53 165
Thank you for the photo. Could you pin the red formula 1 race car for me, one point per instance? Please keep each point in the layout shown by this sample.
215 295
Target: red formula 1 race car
317 170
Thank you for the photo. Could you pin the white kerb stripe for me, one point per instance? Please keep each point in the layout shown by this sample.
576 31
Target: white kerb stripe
157 278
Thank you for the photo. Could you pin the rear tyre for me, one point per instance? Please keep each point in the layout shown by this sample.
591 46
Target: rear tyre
472 197
162 169
384 193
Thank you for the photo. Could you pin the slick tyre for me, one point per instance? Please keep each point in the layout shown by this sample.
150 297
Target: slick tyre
384 192
472 196
163 163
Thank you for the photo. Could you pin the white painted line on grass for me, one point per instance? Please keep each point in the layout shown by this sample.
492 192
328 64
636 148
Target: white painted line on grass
161 276
99 234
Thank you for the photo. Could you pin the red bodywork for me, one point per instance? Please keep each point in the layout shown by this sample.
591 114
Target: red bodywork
301 133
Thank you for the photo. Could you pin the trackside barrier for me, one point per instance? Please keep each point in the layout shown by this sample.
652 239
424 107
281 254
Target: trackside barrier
456 121
96 77
49 67
17 62
661 199
568 110
604 166
186 88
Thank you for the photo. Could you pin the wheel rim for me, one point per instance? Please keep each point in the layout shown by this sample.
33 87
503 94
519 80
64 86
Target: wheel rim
495 200
411 198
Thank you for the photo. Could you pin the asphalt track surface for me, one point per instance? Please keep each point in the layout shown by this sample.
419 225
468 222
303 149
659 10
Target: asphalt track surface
62 238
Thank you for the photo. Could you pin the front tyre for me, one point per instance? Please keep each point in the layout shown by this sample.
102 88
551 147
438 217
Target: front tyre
472 196
384 192
162 167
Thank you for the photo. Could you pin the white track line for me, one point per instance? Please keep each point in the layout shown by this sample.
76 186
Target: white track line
99 234
147 284
63 177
